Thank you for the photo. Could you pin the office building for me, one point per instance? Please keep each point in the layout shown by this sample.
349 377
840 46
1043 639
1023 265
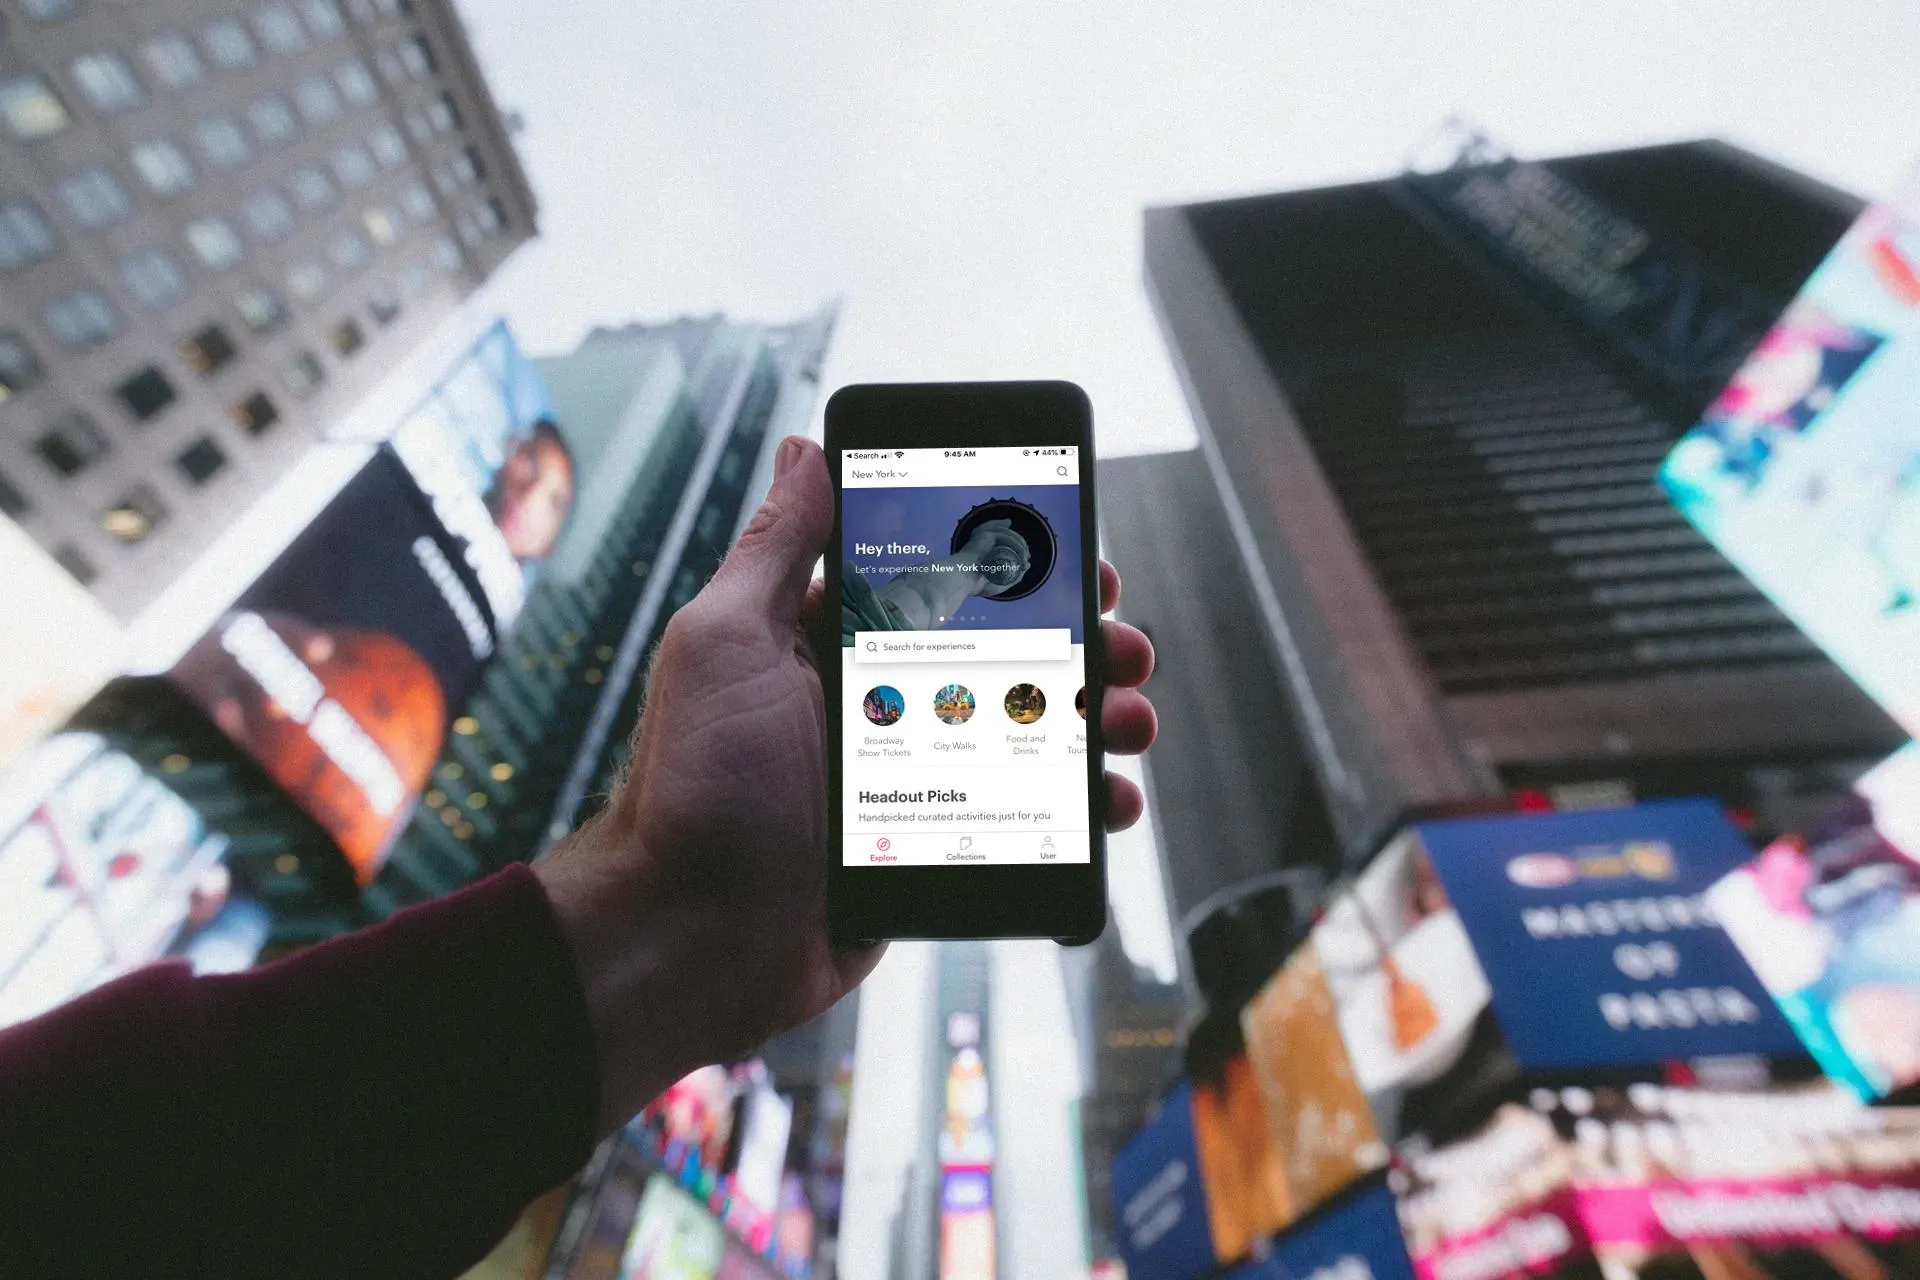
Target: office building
220 225
671 428
1432 408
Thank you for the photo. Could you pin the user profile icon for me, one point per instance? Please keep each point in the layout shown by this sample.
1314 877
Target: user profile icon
883 705
1025 703
954 704
1080 702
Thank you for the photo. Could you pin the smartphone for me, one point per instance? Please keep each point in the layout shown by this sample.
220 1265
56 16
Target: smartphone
966 788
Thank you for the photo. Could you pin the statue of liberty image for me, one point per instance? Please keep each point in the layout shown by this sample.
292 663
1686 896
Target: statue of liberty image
1001 550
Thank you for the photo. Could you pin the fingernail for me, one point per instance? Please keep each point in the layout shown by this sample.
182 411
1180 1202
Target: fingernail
786 456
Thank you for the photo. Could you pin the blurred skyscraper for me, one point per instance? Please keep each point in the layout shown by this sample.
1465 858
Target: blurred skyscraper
672 429
1432 409
220 224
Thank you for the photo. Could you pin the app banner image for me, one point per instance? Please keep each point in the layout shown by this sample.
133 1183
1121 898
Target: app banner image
1159 1204
1317 1115
1806 470
961 558
486 449
103 870
339 668
1596 939
1831 924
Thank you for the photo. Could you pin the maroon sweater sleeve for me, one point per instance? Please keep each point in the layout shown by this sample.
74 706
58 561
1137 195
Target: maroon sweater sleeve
380 1105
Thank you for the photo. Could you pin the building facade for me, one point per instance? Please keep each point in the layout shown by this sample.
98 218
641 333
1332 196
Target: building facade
1432 409
221 223
672 429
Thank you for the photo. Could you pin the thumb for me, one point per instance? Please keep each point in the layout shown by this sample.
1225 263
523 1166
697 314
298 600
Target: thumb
769 567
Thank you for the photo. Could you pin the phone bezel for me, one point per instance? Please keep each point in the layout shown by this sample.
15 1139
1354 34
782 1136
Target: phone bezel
1067 903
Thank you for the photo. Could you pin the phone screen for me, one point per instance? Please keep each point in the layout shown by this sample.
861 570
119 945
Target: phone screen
963 658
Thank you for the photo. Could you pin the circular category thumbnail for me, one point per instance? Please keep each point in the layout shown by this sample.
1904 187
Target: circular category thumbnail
883 704
954 704
1025 703
1080 702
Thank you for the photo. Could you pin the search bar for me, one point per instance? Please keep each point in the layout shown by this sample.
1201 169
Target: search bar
1044 644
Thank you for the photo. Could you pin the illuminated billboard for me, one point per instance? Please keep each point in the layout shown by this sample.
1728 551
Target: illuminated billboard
339 668
484 446
103 869
1806 470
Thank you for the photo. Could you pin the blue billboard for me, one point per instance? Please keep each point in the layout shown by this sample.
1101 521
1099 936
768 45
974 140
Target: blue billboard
1357 1238
1159 1203
1596 938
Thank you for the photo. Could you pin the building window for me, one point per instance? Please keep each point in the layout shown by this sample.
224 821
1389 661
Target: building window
261 310
221 142
95 198
353 166
447 256
163 166
82 319
418 202
388 64
174 63
384 306
279 30
347 337
306 279
70 559
13 503
20 368
209 350
417 56
415 280
381 225
146 394
442 116
468 225
387 147
255 414
107 81
201 460
272 120
215 242
492 217
356 83
323 18
153 278
47 10
419 126
303 374
318 102
30 110
135 516
311 190
72 444
349 251
229 45
25 237
268 214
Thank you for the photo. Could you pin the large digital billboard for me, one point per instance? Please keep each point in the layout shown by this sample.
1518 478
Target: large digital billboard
339 668
1806 470
103 869
484 445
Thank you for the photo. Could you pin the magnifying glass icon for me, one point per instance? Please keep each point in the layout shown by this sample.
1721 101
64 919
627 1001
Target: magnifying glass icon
1059 471
872 647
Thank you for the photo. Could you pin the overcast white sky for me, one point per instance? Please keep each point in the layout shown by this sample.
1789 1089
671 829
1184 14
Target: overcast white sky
971 175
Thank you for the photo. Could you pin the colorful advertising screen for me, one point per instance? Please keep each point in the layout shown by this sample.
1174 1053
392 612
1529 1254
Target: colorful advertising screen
1830 921
485 448
1159 1204
1806 470
673 1238
339 668
102 870
966 1225
1598 946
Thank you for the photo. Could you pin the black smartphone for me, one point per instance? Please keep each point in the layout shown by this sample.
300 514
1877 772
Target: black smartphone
966 790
